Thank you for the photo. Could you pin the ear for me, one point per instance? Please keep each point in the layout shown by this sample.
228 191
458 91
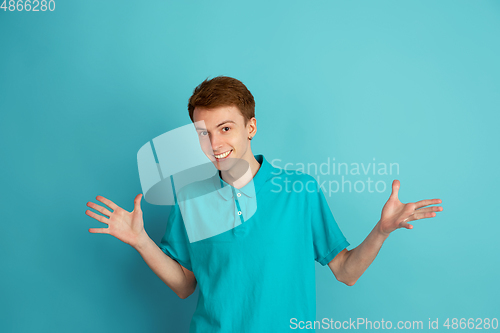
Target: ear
252 126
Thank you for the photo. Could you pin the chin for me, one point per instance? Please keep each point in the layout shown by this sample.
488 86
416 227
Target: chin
225 164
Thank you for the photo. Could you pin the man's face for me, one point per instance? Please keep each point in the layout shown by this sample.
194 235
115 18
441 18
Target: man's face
223 135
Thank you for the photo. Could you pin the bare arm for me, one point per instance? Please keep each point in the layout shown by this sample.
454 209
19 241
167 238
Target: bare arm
181 280
349 265
129 228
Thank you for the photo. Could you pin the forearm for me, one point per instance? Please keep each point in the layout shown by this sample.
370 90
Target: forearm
167 269
360 258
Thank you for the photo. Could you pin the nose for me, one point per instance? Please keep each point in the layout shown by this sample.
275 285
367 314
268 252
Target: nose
215 141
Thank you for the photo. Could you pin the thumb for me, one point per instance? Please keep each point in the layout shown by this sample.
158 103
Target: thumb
137 202
406 225
395 189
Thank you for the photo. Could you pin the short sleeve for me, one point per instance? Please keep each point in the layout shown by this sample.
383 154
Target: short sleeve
328 240
175 242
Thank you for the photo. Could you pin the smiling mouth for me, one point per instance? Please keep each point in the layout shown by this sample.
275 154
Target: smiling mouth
223 155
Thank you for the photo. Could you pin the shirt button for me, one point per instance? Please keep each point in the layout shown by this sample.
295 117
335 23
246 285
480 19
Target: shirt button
239 213
239 194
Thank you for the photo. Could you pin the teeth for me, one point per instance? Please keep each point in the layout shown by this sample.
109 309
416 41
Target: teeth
223 155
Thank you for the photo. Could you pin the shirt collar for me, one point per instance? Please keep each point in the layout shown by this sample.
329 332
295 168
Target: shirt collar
265 172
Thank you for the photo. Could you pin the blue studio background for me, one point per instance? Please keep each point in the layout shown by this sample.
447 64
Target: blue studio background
83 87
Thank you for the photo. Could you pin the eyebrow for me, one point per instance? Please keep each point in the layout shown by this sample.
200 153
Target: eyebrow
225 121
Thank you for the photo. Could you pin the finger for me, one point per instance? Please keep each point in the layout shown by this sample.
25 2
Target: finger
418 216
107 202
98 217
395 188
100 209
137 202
99 230
429 209
406 225
427 202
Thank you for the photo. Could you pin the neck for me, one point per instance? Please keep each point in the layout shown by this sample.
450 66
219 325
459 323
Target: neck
241 173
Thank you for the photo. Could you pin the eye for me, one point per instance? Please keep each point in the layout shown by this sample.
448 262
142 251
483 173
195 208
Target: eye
203 133
225 129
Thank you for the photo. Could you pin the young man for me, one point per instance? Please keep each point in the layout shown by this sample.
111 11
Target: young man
259 274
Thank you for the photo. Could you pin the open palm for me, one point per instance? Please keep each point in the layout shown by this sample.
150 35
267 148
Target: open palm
124 225
396 214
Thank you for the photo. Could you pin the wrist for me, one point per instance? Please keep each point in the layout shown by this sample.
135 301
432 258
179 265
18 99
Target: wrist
380 232
143 240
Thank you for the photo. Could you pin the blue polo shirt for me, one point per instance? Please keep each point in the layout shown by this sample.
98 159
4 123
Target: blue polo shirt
259 274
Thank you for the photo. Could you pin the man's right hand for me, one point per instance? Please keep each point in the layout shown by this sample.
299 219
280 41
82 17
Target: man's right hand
126 226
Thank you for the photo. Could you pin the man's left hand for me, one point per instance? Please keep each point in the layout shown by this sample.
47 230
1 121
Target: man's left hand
396 214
